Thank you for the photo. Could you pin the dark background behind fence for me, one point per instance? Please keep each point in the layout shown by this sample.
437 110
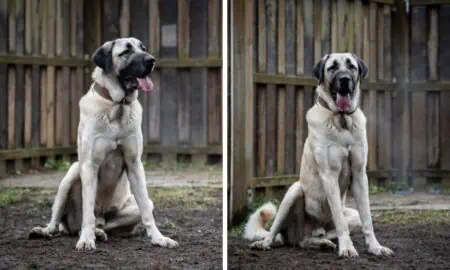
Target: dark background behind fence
405 97
45 47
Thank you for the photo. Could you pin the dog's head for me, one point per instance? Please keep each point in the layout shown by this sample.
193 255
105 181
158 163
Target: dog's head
340 75
128 60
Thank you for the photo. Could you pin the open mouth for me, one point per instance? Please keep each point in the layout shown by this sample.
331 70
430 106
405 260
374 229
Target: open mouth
133 83
343 102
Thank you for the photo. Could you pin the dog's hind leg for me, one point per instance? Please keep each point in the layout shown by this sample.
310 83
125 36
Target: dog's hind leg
129 216
353 221
51 229
294 193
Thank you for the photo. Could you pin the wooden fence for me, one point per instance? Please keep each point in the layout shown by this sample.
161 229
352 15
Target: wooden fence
405 97
45 47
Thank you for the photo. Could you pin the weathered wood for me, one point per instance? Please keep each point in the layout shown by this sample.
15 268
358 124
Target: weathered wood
184 107
290 118
125 18
370 110
139 29
50 87
28 80
380 105
418 73
388 119
168 21
169 91
262 53
214 29
155 109
350 24
281 129
183 27
325 30
154 29
334 26
290 37
214 107
299 127
3 83
432 97
111 20
281 34
271 34
444 74
358 13
308 37
300 22
243 103
199 79
262 129
20 78
271 118
341 29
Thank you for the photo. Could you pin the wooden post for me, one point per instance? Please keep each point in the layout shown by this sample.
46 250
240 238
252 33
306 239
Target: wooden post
401 104
242 107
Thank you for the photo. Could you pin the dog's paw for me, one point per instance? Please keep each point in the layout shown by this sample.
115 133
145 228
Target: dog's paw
166 242
348 252
380 251
261 245
101 235
320 232
87 240
327 244
39 232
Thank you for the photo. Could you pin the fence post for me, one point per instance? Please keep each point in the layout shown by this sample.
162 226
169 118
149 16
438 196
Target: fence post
401 115
242 103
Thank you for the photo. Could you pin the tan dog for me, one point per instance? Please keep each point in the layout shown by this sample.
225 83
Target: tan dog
334 160
95 196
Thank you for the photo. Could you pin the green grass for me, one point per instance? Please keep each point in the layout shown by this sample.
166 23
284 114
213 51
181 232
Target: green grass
57 165
182 167
188 198
10 196
374 189
418 217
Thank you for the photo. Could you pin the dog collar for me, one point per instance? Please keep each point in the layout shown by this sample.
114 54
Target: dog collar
104 93
322 103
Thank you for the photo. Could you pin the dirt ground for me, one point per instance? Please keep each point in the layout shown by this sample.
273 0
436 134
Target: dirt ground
196 225
421 242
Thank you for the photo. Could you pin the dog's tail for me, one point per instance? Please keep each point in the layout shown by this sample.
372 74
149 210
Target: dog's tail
255 229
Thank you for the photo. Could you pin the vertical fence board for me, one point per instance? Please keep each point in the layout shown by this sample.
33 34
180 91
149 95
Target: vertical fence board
111 19
199 79
444 74
28 89
358 13
317 9
261 33
154 29
139 26
418 99
155 97
281 129
50 89
433 97
387 144
12 79
380 104
325 30
214 29
262 128
281 33
125 17
3 82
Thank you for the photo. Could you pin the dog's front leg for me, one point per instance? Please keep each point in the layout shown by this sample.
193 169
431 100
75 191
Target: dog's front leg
293 194
136 176
360 191
330 162
89 179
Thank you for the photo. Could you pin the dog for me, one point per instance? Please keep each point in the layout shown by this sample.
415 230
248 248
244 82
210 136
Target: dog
313 212
106 189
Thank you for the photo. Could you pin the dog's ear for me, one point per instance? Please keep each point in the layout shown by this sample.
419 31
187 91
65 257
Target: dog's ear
319 69
362 67
103 57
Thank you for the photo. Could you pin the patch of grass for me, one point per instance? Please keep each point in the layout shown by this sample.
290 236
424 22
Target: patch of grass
374 189
188 198
182 167
420 216
10 196
57 165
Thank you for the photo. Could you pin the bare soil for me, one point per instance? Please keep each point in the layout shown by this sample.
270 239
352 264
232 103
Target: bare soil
199 232
416 246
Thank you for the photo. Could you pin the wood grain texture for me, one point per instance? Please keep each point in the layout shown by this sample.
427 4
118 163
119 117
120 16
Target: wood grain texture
125 18
418 100
444 74
262 129
155 110
388 119
271 35
183 28
300 134
271 118
281 34
290 37
371 112
300 30
325 31
3 82
214 27
111 20
281 129
214 107
50 80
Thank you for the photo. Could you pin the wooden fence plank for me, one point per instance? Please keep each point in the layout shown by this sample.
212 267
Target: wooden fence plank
433 97
299 127
358 13
388 119
262 129
317 9
418 73
300 22
271 118
50 87
341 21
111 20
444 74
184 108
3 83
125 18
334 26
214 28
281 129
325 30
214 107
380 104
154 29
371 112
155 109
199 79
139 29
350 25
183 28
281 34
28 81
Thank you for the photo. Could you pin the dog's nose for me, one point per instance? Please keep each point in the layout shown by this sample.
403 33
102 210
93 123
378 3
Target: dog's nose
149 61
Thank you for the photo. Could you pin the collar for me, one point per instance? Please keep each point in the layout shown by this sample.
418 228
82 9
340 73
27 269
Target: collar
104 93
322 103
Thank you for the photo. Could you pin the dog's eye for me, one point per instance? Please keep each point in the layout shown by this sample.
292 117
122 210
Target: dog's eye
124 52
143 48
352 67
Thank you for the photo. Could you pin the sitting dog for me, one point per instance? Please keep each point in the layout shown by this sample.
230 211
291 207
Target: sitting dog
334 160
106 189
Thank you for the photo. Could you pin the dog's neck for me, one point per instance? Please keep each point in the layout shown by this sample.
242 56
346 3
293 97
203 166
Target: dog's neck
109 87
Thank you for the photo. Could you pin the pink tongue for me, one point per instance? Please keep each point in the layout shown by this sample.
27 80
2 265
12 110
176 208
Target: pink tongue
343 102
145 84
